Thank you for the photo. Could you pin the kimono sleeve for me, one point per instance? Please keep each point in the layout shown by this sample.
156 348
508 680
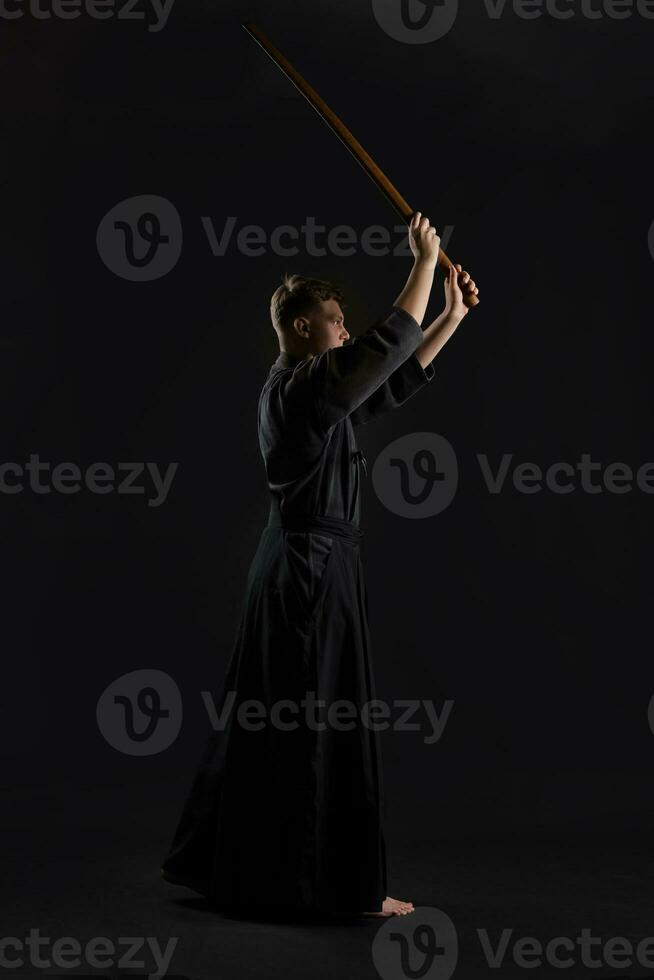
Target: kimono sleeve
343 378
404 382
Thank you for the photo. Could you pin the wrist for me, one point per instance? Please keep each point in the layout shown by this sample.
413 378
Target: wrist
427 264
454 316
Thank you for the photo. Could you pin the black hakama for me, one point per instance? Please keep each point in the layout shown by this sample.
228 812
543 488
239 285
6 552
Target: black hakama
285 811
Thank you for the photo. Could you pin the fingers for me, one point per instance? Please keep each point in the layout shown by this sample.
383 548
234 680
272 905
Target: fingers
421 225
467 284
458 278
424 239
453 275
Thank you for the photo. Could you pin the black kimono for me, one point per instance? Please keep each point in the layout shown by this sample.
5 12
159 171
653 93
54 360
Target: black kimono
285 811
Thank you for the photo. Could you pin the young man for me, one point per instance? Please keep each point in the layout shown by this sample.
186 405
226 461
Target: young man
285 813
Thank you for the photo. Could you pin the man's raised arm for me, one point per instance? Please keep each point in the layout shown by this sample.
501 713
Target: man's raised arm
417 370
425 244
342 378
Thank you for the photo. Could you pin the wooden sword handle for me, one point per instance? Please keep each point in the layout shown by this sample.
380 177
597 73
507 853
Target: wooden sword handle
375 173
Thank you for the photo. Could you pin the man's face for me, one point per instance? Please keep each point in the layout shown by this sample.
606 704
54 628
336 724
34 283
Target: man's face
326 327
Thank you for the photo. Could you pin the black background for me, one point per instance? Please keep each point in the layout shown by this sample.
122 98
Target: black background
531 612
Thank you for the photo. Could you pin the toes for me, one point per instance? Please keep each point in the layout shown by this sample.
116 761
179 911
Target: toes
398 907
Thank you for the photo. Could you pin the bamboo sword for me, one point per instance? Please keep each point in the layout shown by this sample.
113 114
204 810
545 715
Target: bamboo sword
390 192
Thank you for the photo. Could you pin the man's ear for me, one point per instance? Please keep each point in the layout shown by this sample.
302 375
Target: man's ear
301 326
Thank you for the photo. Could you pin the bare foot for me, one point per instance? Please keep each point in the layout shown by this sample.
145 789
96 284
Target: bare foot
392 906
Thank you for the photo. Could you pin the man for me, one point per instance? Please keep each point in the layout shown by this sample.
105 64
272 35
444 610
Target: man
285 813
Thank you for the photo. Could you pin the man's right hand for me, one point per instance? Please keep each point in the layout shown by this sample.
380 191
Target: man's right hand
424 241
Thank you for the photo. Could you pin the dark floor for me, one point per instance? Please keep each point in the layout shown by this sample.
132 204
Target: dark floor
102 881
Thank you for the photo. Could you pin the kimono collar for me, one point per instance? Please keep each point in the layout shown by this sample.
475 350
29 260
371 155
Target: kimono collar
286 360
